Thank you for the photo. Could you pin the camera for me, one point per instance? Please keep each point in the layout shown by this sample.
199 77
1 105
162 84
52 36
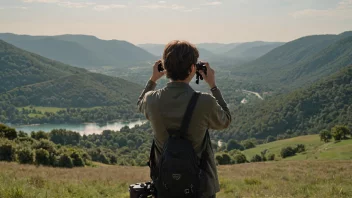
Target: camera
142 190
199 66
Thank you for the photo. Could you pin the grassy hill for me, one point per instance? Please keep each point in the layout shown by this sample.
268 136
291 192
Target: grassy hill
252 50
315 149
301 61
305 111
81 50
320 179
29 79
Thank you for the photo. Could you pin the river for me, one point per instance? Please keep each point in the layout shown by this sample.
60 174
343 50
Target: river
83 129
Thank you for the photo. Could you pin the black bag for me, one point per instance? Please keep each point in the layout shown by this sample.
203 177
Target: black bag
178 171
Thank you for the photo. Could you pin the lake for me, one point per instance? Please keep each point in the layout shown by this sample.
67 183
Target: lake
84 129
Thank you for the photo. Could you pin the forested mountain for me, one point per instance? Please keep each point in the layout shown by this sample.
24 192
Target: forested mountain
300 61
158 49
81 50
304 111
218 48
252 50
29 79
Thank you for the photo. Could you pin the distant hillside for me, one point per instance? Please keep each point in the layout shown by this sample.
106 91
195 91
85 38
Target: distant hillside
157 50
81 50
218 48
304 111
300 61
33 80
252 50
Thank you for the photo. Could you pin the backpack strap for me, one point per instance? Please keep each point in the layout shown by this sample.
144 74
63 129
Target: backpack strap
188 114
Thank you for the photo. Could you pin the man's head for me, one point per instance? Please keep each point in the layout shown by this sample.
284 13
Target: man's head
179 59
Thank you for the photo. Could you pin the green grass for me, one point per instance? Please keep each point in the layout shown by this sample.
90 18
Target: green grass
49 109
307 178
315 149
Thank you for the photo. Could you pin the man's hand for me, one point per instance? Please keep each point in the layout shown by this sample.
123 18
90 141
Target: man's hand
210 77
156 74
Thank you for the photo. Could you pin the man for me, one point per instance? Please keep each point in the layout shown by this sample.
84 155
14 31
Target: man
165 108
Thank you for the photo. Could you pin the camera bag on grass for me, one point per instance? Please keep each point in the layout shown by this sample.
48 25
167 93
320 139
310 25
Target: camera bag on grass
178 172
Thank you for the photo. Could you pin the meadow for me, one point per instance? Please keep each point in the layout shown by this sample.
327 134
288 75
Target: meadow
308 178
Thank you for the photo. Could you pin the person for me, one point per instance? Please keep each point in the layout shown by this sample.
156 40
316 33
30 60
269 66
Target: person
165 108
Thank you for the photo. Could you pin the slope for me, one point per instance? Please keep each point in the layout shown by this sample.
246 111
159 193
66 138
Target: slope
81 50
34 80
284 65
252 50
304 111
19 68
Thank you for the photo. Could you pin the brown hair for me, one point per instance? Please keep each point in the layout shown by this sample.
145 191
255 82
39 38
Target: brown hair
178 58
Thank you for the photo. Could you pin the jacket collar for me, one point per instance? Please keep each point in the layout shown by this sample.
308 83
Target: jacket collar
178 85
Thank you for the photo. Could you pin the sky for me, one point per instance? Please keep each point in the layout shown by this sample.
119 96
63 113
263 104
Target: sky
198 21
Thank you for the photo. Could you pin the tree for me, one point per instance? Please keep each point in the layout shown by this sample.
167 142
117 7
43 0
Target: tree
77 159
25 155
7 132
256 158
233 144
300 148
7 151
65 161
247 144
340 132
325 135
42 157
270 138
271 157
240 158
287 152
40 135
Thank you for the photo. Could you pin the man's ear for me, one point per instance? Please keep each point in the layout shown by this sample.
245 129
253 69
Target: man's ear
193 68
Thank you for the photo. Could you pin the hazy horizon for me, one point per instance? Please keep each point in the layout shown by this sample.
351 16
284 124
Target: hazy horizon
158 22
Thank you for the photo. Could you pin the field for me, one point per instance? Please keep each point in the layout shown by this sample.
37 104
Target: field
315 149
46 109
271 179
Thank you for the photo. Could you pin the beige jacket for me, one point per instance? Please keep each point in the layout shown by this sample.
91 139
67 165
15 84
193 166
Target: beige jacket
165 108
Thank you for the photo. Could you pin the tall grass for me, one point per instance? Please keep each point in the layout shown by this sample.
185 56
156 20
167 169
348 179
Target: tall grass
275 179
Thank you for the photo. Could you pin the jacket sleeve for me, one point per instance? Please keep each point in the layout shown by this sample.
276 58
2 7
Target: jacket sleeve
219 115
150 86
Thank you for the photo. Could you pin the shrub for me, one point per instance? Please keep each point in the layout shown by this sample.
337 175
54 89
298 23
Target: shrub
233 144
40 135
300 148
7 132
270 139
325 135
256 158
104 159
7 151
287 152
218 159
226 159
340 132
65 161
271 157
46 145
42 157
247 144
77 159
240 158
25 156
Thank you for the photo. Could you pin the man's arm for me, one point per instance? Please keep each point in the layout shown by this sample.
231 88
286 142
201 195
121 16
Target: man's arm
219 116
150 86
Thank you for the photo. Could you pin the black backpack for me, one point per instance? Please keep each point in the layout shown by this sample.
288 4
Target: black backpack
178 172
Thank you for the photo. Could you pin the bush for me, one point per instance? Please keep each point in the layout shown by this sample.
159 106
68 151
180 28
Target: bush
42 157
325 135
270 139
233 144
40 135
7 151
300 148
271 157
7 132
77 159
218 159
340 132
104 159
65 161
240 158
256 158
248 144
25 156
287 152
46 145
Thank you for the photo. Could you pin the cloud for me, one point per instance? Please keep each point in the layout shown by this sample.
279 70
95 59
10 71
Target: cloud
69 4
107 7
162 2
213 3
342 10
14 7
40 1
164 6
